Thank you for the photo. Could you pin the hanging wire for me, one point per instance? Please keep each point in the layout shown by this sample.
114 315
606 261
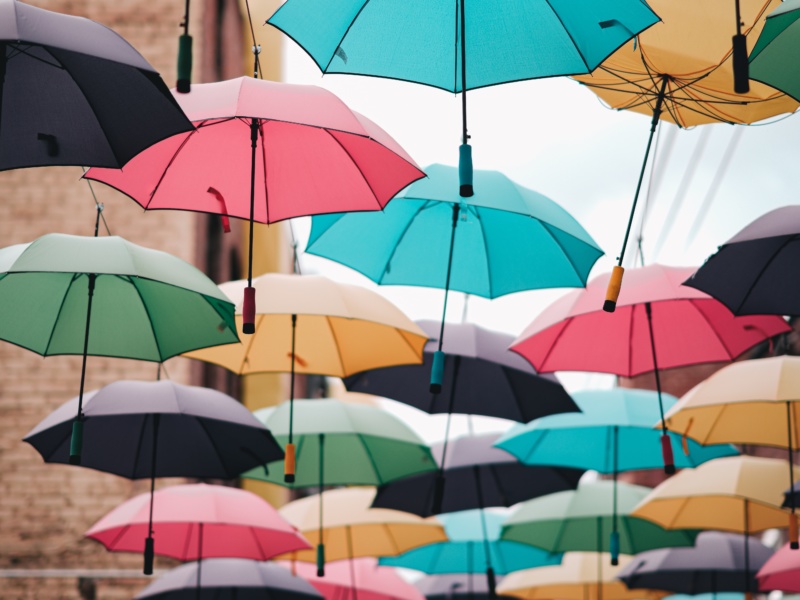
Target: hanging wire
253 36
639 253
295 254
97 203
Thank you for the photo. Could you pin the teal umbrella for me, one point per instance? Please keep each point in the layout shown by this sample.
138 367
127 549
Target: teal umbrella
105 296
773 60
504 239
576 521
471 534
339 443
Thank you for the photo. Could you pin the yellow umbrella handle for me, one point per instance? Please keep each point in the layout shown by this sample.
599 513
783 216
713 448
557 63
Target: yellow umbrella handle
614 286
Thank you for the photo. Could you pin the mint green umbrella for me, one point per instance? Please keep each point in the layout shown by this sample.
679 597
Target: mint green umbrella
105 296
774 58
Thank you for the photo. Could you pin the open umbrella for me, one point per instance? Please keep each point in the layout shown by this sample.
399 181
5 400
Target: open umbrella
456 587
753 272
780 572
140 429
682 70
229 579
73 92
105 296
714 564
266 151
659 324
612 434
504 239
778 40
312 324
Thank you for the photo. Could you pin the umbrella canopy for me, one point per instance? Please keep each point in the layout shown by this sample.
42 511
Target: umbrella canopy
780 572
779 38
229 579
716 563
73 92
752 273
339 443
612 433
578 577
576 520
465 550
455 587
478 365
475 475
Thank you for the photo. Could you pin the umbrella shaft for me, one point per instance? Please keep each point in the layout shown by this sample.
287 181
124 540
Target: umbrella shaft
92 278
463 48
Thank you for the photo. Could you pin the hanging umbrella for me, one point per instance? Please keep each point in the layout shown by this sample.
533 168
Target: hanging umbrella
73 92
478 365
448 47
465 551
140 303
612 434
578 577
266 151
659 324
682 70
140 429
753 272
780 572
749 402
456 587
777 42
197 521
229 579
430 236
714 564
314 325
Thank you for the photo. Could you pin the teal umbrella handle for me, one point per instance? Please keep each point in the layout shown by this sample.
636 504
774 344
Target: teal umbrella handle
437 372
320 560
465 189
614 548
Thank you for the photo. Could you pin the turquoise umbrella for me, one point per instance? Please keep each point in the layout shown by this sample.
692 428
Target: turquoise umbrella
466 550
504 239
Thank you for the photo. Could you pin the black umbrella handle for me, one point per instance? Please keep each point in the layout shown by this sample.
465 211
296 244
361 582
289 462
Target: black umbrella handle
741 66
184 85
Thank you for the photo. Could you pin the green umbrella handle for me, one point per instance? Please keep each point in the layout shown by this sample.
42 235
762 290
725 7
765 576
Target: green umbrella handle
184 64
320 560
76 442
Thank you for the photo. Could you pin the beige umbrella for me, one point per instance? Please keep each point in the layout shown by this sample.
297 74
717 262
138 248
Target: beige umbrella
749 402
312 324
580 576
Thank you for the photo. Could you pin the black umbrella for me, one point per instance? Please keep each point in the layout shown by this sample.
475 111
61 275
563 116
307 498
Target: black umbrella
229 579
73 92
718 562
754 272
455 587
149 429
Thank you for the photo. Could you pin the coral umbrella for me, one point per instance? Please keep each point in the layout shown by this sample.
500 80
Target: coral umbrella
266 151
780 572
659 324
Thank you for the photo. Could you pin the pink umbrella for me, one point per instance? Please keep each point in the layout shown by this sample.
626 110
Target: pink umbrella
266 151
356 579
658 324
196 521
780 572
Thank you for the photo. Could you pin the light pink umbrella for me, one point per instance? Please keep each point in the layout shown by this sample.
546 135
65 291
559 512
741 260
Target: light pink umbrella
266 151
356 579
780 572
196 521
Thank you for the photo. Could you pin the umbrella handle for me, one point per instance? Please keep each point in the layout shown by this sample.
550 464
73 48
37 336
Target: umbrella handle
491 582
76 441
465 189
666 454
614 286
320 560
289 463
249 310
149 554
437 372
613 547
184 64
793 533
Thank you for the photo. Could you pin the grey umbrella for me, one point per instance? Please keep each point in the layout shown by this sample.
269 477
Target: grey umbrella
149 429
456 587
230 578
73 92
718 562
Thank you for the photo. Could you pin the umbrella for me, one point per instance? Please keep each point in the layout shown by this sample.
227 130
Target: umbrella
140 429
456 587
780 572
680 70
266 151
311 324
229 579
575 521
578 577
753 272
651 331
197 521
504 239
445 46
749 402
73 92
613 433
467 546
144 304
478 365
714 564
778 40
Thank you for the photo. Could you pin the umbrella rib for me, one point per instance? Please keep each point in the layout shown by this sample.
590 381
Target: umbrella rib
149 318
485 250
789 240
264 161
58 314
546 227
572 39
371 459
353 161
250 341
339 43
171 160
336 344
217 453
423 206
719 337
138 451
262 554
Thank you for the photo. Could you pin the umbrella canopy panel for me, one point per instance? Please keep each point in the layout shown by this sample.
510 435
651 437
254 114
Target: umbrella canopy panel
778 40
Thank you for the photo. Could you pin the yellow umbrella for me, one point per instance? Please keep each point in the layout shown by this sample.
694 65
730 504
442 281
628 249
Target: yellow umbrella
749 402
580 576
312 324
681 70
352 529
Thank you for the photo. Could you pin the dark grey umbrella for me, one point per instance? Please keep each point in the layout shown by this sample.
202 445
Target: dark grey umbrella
230 578
455 587
149 429
481 377
718 562
73 92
